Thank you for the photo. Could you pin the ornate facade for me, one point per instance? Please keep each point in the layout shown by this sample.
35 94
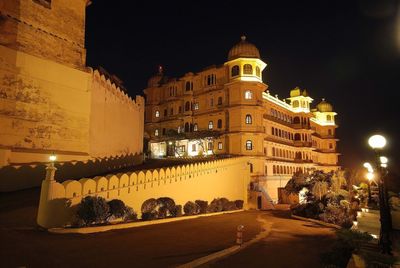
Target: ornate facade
228 110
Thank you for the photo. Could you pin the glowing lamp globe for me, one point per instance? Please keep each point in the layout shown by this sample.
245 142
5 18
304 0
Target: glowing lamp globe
377 141
370 176
383 159
52 157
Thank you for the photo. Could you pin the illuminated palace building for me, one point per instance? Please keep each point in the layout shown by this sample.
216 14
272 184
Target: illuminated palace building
227 110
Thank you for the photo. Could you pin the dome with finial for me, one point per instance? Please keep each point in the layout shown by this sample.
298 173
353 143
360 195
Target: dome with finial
324 106
156 79
243 49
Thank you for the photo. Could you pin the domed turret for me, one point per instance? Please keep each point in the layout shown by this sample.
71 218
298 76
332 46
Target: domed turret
324 106
243 49
156 79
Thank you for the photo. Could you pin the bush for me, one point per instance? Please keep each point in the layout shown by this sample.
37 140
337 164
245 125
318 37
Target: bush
176 211
229 206
148 216
117 208
92 210
203 205
308 210
149 205
129 215
165 206
191 208
336 215
239 204
217 205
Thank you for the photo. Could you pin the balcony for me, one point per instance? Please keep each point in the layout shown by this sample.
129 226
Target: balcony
302 144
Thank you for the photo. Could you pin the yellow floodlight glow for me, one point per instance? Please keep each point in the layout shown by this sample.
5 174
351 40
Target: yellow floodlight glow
370 176
52 157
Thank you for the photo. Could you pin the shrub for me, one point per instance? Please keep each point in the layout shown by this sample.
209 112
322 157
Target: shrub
149 205
230 205
176 211
336 215
93 210
147 216
191 208
165 206
117 208
308 210
203 205
239 204
217 205
129 215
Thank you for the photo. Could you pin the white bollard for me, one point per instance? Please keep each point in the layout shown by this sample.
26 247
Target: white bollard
239 235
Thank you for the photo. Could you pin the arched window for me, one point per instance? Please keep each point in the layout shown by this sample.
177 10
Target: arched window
248 95
295 104
235 71
258 72
156 132
297 137
157 113
219 100
249 145
328 117
219 123
248 119
195 127
186 127
210 125
187 106
248 69
187 86
296 120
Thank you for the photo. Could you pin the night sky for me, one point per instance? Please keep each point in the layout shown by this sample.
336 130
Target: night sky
345 51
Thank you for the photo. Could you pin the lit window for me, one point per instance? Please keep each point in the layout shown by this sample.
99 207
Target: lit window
156 132
219 145
248 119
219 123
195 127
210 125
248 95
157 113
248 69
249 145
235 71
196 105
210 145
258 72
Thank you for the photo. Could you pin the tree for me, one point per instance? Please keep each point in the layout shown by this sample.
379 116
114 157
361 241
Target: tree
320 189
93 210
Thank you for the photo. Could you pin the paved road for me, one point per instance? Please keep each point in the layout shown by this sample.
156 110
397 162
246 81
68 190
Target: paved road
292 243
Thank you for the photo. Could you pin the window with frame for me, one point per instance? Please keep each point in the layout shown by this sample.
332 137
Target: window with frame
195 127
210 125
196 105
235 71
157 113
219 145
247 69
248 95
187 86
249 145
295 104
258 72
328 118
219 123
156 132
248 119
210 146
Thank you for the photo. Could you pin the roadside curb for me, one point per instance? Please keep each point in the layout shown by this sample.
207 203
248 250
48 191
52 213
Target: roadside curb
317 222
104 228
231 250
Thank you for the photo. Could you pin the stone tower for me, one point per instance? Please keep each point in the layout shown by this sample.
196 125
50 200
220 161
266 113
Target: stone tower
49 29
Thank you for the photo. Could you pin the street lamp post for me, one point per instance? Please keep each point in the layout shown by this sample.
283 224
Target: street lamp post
370 176
377 142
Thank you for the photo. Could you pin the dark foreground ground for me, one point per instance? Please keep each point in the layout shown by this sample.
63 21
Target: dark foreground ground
292 243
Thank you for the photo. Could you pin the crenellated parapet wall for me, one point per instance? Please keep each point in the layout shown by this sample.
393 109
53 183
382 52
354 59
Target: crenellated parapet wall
227 178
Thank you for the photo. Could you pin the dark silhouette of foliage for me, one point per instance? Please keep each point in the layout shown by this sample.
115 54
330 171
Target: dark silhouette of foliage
176 211
191 208
93 210
239 204
203 205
